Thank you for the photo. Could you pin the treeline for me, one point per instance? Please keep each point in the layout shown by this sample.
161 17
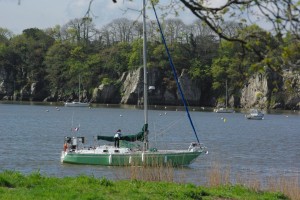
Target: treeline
51 60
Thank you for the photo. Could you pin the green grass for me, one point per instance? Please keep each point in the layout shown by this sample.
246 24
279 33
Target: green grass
14 185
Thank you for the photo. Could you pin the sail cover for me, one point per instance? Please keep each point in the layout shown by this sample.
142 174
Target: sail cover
131 138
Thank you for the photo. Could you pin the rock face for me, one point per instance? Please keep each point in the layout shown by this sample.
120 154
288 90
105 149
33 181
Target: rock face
132 87
165 92
254 94
191 89
272 90
106 94
291 90
6 85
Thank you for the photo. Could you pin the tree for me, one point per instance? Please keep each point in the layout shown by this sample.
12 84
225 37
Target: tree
57 67
31 47
55 33
115 59
291 53
120 30
5 34
9 62
136 56
236 62
79 31
282 15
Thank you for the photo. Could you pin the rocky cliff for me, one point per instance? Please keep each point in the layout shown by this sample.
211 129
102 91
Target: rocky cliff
162 90
291 90
255 92
272 90
262 90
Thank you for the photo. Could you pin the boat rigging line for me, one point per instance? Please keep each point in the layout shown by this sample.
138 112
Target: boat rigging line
174 73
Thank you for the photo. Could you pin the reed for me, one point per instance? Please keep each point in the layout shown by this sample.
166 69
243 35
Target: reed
153 172
289 186
216 176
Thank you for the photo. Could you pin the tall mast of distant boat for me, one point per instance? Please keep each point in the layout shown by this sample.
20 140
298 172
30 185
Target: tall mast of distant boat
79 88
226 95
145 77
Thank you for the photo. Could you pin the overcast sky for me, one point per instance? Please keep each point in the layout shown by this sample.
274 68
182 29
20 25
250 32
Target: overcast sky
48 13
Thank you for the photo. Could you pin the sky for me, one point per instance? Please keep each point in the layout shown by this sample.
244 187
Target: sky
44 14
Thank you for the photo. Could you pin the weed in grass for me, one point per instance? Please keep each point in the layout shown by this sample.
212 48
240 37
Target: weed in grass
5 183
105 182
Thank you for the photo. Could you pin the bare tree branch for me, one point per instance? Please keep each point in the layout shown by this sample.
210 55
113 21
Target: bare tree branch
283 16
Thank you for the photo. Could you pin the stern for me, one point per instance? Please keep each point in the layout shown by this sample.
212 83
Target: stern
62 156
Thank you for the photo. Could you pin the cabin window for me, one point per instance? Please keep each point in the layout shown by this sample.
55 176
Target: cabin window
116 151
105 151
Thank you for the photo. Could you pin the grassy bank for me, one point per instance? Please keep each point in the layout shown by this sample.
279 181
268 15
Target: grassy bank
14 185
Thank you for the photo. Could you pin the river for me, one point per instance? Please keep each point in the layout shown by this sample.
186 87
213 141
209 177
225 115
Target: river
32 138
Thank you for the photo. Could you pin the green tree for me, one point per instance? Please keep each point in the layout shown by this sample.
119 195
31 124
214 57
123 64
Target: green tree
232 66
291 52
56 61
31 47
5 35
8 62
136 55
116 58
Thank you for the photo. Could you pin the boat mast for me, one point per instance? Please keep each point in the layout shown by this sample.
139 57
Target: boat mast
226 94
145 78
78 88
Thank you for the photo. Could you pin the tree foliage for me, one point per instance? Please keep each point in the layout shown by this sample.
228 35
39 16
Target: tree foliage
216 49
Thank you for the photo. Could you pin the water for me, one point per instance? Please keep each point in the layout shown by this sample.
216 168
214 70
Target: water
32 139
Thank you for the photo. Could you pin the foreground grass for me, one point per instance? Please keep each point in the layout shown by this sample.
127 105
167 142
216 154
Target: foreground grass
14 185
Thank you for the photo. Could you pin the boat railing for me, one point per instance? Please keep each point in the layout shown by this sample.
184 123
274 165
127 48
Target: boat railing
175 145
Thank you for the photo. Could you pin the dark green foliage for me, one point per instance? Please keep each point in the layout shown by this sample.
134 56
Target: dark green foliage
5 183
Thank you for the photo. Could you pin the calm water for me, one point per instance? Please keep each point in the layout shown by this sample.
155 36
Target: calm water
32 139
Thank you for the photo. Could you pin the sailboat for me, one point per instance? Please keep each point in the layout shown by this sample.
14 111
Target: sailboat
77 103
224 110
110 155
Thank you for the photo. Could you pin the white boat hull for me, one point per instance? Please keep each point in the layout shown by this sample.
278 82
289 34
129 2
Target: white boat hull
223 110
76 104
255 114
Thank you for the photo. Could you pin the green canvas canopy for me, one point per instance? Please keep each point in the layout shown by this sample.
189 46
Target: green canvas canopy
131 138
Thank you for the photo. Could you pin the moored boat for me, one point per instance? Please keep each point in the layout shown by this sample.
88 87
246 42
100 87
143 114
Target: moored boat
76 104
222 109
109 155
255 114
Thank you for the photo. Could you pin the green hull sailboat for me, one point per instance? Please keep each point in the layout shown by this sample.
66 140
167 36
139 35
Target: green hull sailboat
111 156
108 155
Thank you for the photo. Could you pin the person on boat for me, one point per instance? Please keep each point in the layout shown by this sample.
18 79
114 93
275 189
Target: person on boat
117 138
65 146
